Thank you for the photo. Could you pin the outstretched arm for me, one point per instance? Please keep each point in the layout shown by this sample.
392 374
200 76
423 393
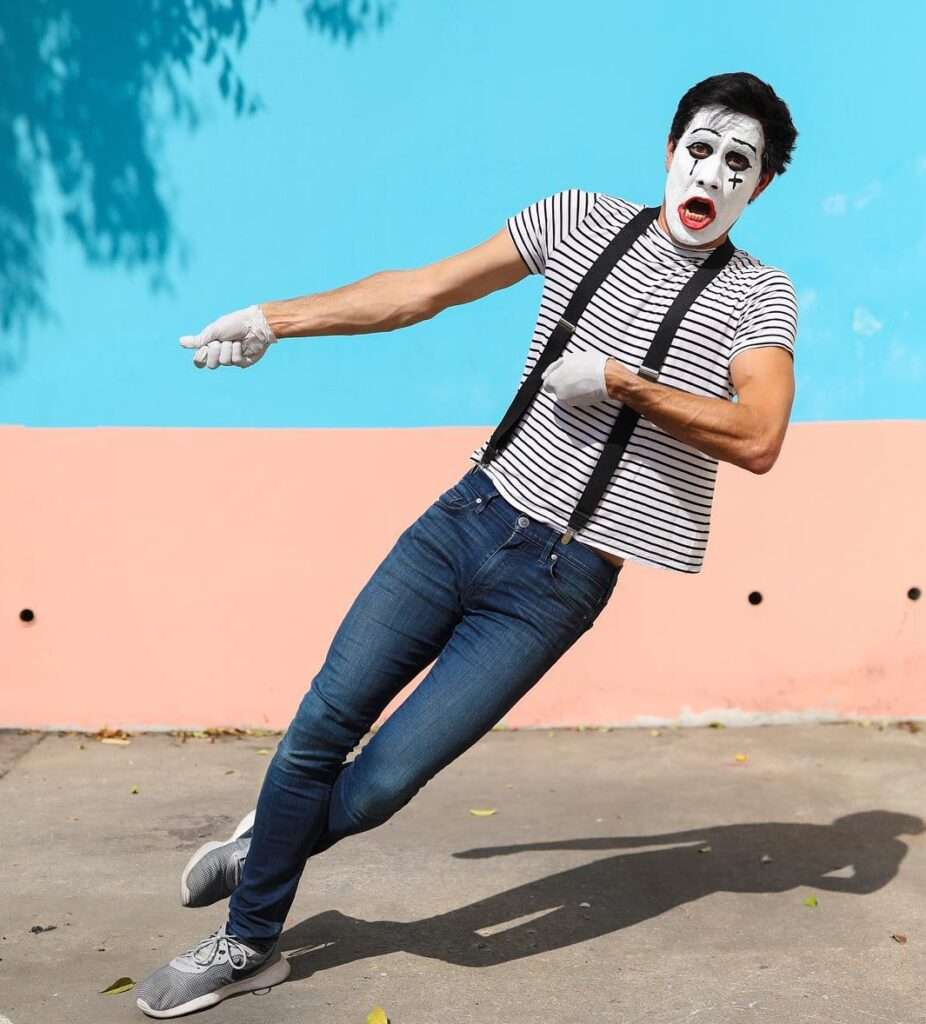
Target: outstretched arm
383 301
592 843
397 298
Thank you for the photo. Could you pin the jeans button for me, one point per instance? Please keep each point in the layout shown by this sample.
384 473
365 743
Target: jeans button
523 521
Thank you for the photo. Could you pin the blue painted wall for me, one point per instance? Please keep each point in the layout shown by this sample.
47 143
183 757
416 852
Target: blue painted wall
416 140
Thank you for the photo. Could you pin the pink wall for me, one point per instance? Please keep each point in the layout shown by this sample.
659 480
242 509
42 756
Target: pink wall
194 578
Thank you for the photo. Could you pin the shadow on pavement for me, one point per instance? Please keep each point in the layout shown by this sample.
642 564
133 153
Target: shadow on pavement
619 891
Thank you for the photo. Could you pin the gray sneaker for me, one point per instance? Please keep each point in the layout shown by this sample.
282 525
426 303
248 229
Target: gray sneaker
214 871
218 967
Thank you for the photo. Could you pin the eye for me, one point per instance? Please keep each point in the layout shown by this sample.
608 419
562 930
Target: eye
738 162
700 150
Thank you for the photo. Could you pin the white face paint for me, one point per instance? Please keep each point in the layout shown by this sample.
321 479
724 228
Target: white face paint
715 168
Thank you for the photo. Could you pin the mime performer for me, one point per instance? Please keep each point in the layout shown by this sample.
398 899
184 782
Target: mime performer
650 323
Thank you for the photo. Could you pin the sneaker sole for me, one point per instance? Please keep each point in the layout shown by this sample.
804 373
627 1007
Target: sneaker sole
246 822
264 979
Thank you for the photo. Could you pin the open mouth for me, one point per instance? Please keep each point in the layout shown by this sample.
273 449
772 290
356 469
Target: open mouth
697 212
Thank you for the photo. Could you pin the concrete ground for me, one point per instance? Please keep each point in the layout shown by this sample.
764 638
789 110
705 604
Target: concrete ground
624 876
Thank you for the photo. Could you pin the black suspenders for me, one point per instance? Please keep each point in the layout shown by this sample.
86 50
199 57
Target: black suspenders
652 362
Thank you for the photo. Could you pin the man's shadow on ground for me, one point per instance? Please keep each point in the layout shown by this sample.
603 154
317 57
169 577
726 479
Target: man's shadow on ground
616 892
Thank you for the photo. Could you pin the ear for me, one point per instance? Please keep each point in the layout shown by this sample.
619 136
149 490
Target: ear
670 150
764 183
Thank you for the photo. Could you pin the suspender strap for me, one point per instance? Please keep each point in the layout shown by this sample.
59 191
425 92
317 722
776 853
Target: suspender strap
652 363
566 325
702 277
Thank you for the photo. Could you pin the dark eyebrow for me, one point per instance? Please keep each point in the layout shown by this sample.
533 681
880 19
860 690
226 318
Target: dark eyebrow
706 130
744 143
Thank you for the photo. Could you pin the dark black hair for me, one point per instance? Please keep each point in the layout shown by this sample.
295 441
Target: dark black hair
748 95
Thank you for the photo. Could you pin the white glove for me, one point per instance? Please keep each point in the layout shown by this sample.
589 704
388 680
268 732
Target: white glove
236 339
577 378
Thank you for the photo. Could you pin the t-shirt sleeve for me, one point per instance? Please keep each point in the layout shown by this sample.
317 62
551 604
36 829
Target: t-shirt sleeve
769 315
539 228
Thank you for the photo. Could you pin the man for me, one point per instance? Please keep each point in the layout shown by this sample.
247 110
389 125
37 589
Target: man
492 581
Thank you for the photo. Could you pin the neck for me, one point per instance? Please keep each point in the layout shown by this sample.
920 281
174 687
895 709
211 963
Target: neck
664 224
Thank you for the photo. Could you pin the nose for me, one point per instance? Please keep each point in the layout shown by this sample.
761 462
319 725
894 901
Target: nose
709 175
711 183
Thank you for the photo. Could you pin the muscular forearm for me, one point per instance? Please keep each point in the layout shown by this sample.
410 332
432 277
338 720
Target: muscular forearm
721 429
380 302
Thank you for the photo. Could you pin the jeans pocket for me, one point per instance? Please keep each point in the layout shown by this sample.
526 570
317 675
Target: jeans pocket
457 497
576 589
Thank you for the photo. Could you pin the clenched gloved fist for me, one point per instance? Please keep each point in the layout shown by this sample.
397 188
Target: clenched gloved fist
236 339
577 378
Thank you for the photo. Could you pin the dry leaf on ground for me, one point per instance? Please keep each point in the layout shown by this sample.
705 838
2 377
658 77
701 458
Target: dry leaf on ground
106 731
118 986
377 1016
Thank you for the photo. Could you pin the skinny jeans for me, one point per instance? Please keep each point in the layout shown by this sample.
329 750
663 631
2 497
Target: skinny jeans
486 593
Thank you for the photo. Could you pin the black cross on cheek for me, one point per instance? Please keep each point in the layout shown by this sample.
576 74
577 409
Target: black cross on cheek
736 181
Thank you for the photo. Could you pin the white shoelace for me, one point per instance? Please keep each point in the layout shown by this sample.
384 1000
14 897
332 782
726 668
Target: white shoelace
215 946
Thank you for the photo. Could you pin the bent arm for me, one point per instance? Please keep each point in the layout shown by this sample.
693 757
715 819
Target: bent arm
872 870
748 433
390 299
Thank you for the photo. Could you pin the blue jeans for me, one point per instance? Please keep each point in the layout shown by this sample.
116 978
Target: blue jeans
473 583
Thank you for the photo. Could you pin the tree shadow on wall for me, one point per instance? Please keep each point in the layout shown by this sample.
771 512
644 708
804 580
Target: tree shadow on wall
77 81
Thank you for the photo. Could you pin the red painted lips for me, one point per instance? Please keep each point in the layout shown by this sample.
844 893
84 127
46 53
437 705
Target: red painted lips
697 212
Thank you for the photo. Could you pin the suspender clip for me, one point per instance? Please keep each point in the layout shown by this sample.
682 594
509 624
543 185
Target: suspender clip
648 373
563 322
567 536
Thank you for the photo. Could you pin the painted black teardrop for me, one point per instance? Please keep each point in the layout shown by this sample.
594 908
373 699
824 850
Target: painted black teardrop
26 615
755 597
914 593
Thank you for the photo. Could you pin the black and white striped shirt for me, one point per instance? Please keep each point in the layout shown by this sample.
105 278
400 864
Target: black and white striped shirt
657 507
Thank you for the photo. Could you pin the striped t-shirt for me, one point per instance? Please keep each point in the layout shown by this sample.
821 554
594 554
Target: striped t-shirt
657 506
